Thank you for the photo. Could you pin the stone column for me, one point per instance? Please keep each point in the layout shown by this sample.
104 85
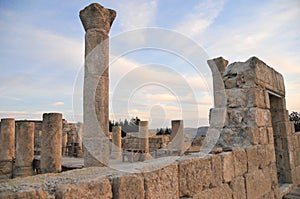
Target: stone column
7 147
96 21
116 143
177 136
51 143
24 149
144 140
79 131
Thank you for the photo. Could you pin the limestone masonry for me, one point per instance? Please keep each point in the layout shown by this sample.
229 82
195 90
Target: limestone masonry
255 152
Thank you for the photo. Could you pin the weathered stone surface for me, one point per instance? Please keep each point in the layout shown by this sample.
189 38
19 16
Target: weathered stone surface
31 193
128 187
257 184
162 183
218 117
222 191
116 143
96 16
51 143
98 188
256 158
217 67
258 117
216 168
6 168
7 139
97 22
240 162
194 175
24 148
238 188
241 97
227 166
177 136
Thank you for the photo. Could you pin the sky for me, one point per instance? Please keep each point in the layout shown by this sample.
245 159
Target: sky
42 55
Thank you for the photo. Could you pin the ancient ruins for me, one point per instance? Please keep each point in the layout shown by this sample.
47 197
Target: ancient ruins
255 152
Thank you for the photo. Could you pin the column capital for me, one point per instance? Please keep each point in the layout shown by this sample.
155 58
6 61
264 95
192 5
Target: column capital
96 16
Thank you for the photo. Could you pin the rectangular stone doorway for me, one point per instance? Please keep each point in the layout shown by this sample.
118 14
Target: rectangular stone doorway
279 124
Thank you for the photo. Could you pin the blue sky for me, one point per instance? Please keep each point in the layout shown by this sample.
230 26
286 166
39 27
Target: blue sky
42 50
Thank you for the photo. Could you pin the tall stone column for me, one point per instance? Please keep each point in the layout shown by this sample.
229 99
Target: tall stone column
24 149
116 143
51 143
7 147
96 21
177 136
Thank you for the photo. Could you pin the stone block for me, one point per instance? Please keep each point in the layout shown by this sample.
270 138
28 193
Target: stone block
263 136
30 193
238 188
128 187
256 158
252 133
162 183
86 189
236 116
270 154
216 167
236 98
239 162
270 135
257 184
6 168
218 117
194 175
222 191
227 166
258 117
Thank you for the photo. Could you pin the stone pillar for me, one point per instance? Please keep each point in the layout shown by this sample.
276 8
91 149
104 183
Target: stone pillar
218 66
177 136
24 149
64 139
7 146
79 133
96 21
116 143
51 143
144 140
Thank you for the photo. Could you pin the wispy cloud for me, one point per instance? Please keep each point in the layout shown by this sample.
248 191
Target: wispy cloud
200 18
136 14
57 104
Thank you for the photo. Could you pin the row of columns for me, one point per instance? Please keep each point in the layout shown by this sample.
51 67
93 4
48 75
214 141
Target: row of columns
17 146
177 138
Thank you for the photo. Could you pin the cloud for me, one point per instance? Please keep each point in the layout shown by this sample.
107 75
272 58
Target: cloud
202 16
57 104
136 14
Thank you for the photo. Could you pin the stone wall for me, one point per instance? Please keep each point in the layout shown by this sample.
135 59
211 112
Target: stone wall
242 173
155 142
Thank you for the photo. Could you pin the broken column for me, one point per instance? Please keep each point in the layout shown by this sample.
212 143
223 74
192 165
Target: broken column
144 140
51 143
7 145
24 149
96 21
116 143
177 136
